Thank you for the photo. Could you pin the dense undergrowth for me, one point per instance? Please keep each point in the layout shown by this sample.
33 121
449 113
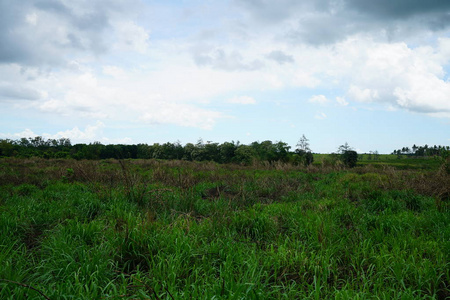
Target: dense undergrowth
145 229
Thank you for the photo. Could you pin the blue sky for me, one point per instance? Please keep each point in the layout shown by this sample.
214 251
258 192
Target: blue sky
374 74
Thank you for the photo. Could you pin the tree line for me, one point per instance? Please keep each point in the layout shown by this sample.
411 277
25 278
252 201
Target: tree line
227 152
421 151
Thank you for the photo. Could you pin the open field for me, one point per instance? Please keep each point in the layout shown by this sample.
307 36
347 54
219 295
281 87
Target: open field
403 162
148 229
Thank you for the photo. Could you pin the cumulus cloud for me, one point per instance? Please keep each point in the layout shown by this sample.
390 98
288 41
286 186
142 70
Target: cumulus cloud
242 100
341 101
319 99
89 134
46 32
127 96
280 57
363 95
131 37
183 115
228 61
10 91
77 59
386 9
395 74
330 21
266 11
27 133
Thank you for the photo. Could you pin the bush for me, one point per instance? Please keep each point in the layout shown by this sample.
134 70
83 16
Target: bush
349 158
303 157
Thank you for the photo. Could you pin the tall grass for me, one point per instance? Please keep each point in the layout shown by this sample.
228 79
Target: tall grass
182 230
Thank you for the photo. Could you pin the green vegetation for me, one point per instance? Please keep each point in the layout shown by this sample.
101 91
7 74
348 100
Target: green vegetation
152 229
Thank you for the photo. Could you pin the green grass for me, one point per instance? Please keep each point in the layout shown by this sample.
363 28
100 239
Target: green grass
402 162
178 230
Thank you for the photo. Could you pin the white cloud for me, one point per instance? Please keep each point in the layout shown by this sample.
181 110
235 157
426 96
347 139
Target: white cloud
18 91
305 79
89 134
242 100
31 18
222 59
319 99
131 37
99 62
409 78
280 57
320 116
47 33
27 133
362 95
114 71
182 115
341 101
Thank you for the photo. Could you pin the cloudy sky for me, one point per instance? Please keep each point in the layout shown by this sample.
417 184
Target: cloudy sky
374 74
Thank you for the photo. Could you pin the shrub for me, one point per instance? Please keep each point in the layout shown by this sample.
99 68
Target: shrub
304 158
349 158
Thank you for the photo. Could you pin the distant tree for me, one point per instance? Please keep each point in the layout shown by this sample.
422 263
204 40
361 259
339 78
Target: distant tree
303 144
376 155
347 155
24 142
199 152
282 151
308 158
143 151
189 149
304 152
6 147
266 151
168 151
245 154
226 151
93 150
178 149
349 158
212 151
344 148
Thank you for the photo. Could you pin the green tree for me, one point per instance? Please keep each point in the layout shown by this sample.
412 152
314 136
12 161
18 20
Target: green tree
303 144
245 154
303 152
188 150
344 148
6 147
281 151
347 155
227 152
349 158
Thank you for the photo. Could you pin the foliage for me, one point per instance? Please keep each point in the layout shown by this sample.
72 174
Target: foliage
304 158
421 151
303 144
349 158
209 151
304 155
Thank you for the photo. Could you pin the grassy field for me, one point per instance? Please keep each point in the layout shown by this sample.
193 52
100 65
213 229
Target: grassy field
402 162
146 229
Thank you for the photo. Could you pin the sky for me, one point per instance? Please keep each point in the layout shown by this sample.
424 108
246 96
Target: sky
374 74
